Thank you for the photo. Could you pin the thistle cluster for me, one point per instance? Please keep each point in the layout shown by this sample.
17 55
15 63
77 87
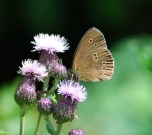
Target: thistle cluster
58 101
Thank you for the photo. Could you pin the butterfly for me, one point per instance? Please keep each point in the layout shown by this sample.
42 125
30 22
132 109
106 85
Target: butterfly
92 59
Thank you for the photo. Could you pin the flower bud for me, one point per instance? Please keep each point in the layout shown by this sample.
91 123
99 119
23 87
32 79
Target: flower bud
53 64
76 131
45 106
59 70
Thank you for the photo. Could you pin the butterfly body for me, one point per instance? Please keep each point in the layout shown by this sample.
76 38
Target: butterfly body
92 60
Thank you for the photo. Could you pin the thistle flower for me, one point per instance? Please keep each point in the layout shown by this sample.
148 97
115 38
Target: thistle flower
25 92
72 93
72 89
45 106
76 131
64 110
33 69
50 43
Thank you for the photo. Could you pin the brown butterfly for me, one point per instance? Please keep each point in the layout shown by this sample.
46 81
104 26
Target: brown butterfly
92 60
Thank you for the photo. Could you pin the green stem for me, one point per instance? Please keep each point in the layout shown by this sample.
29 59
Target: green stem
45 86
46 82
38 124
22 120
49 126
58 130
57 80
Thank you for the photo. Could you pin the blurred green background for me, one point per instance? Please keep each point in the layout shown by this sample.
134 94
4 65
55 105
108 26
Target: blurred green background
121 106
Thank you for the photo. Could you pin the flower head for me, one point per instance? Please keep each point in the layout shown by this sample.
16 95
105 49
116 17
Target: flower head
25 92
33 69
45 106
64 110
76 131
50 43
70 88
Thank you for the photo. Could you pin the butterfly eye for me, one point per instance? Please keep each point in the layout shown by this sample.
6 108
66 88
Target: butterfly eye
103 68
95 58
104 62
90 40
95 44
94 54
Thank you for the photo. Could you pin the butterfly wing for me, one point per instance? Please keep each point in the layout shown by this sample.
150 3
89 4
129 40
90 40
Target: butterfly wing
92 60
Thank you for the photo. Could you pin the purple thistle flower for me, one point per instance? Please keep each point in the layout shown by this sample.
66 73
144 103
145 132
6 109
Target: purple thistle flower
64 110
45 106
33 69
50 43
73 93
70 88
76 131
25 92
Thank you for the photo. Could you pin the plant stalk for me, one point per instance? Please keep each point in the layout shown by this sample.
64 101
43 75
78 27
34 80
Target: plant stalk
38 124
22 120
59 126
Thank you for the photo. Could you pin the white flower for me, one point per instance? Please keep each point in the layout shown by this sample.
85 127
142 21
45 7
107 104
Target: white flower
50 43
33 68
